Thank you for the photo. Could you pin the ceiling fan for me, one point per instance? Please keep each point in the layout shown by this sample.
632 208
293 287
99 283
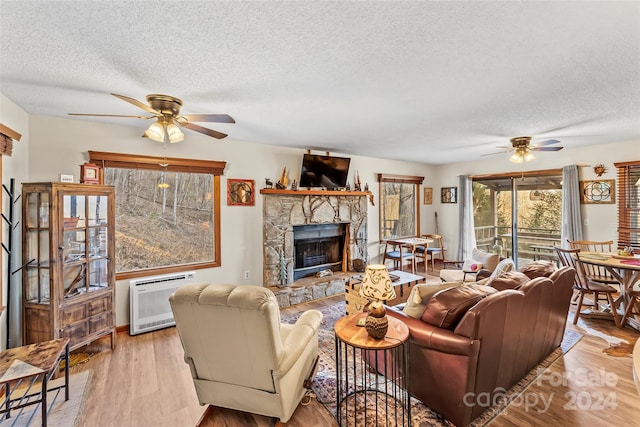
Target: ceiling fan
522 148
166 110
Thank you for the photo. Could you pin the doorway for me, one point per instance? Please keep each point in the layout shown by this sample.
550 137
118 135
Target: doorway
519 215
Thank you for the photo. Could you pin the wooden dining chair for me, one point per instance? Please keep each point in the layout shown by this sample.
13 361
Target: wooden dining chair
398 254
595 272
586 286
431 252
634 303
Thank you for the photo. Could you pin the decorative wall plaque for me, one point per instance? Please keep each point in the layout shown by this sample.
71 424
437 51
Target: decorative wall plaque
449 195
428 195
598 191
240 192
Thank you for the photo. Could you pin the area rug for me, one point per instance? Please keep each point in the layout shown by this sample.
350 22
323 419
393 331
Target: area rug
324 385
622 349
61 413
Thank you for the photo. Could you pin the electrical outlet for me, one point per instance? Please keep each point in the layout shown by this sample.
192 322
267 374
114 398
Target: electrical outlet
246 274
586 222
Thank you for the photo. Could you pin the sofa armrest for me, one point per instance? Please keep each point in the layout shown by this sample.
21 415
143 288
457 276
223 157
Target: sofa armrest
435 338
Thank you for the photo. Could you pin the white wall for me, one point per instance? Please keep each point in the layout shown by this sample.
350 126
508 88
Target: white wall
61 145
602 219
14 166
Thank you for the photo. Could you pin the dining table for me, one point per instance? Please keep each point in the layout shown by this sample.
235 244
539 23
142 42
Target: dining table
411 243
625 269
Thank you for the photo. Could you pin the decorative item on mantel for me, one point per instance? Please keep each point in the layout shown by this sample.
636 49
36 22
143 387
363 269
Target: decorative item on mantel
357 186
268 183
376 286
283 182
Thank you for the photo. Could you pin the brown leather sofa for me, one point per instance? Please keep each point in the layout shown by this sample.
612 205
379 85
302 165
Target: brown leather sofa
495 343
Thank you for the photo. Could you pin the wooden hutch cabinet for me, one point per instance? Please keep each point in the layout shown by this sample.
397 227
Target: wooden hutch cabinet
68 242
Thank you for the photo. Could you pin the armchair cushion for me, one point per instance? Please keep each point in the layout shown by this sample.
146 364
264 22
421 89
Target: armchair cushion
447 307
420 295
471 265
484 260
503 266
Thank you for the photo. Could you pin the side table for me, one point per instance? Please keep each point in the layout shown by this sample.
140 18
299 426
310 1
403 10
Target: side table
363 394
31 367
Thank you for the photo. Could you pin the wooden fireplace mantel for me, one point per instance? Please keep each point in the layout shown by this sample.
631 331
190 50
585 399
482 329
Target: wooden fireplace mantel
314 192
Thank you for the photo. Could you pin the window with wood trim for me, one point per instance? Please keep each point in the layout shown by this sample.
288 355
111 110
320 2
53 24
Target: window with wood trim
628 204
399 206
167 212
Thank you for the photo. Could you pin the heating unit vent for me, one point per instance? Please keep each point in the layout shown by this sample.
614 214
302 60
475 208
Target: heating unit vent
149 302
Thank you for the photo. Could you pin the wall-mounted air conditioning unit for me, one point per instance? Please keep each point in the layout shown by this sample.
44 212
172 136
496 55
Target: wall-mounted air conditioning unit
149 302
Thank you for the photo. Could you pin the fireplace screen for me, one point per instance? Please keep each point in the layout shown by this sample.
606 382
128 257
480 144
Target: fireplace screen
318 247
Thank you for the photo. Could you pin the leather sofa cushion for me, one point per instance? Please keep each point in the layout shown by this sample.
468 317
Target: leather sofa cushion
538 269
508 280
421 294
447 307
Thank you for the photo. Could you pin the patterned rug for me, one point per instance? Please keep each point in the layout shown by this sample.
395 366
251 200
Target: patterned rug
324 385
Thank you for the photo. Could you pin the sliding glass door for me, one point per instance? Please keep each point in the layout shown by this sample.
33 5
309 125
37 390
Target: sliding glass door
519 216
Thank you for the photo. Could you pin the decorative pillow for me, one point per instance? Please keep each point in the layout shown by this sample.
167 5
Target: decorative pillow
420 295
447 307
538 269
472 265
508 280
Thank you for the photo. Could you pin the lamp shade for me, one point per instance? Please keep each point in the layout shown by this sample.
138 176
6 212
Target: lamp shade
376 284
174 132
156 131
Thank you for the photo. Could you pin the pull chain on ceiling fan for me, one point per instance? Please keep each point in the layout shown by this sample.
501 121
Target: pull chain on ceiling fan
166 110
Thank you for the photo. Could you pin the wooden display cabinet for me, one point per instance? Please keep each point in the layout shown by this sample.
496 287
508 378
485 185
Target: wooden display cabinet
68 290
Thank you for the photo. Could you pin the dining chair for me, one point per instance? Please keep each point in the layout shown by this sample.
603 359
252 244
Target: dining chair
429 253
398 254
595 272
634 302
587 286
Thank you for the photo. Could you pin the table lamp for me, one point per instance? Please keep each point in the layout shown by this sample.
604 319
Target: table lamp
376 286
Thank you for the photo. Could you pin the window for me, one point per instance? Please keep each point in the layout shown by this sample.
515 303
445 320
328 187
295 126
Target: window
399 206
628 204
167 212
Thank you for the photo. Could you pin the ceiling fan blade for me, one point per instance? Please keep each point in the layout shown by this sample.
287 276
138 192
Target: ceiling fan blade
138 104
111 115
204 130
497 152
547 142
220 118
546 148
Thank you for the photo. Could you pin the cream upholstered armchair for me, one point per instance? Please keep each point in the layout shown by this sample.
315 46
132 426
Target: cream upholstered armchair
467 270
240 355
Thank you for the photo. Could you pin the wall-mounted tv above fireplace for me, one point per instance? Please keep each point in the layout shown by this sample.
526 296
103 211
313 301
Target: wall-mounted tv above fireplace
324 171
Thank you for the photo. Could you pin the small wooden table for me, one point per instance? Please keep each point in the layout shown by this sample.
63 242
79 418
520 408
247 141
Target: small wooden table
402 287
359 359
36 363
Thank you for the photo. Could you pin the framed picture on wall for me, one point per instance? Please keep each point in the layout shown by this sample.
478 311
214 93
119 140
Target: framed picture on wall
449 195
240 192
601 191
428 195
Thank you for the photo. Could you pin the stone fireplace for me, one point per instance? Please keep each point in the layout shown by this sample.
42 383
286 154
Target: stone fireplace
325 228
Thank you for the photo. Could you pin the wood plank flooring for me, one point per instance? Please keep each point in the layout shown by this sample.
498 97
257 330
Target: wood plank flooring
145 382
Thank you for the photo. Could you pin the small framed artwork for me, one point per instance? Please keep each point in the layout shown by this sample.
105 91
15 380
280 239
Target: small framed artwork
240 192
601 191
428 195
449 195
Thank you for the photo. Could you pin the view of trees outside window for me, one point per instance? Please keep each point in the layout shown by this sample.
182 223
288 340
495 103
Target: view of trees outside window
539 218
397 210
162 218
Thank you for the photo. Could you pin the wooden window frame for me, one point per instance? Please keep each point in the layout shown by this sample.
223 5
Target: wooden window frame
626 184
402 179
174 164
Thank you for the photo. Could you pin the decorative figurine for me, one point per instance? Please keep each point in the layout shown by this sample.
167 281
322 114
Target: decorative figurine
283 183
294 185
357 186
366 186
347 187
268 183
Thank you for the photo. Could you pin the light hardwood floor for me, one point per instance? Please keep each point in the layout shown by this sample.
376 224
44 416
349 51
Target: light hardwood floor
145 382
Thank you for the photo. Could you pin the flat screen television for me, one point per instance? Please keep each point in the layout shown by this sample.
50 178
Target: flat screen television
324 171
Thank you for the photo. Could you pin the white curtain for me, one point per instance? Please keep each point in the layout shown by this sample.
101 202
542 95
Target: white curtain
571 217
466 228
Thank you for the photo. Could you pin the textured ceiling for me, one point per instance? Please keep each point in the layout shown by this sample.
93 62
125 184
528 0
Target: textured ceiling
433 82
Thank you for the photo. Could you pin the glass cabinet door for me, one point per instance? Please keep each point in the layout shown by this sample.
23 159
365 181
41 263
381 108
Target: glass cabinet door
37 286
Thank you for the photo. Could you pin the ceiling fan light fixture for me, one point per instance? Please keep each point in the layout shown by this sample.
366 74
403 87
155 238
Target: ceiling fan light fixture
174 133
528 156
516 157
156 131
